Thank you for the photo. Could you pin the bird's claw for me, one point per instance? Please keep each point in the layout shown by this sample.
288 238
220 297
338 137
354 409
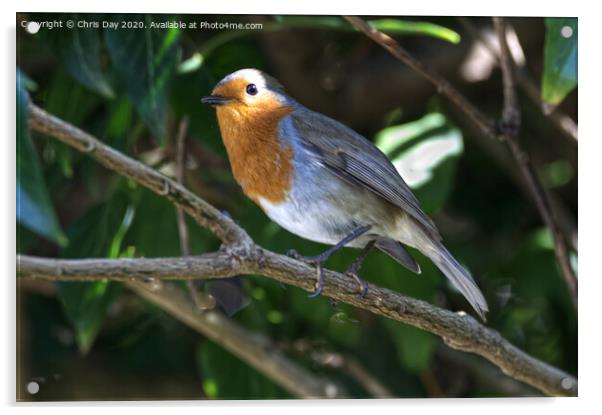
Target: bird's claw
315 261
319 282
363 290
315 293
363 284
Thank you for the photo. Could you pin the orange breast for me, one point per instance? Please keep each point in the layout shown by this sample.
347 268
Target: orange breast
260 164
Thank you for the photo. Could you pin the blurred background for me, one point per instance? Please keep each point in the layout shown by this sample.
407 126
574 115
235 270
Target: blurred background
132 86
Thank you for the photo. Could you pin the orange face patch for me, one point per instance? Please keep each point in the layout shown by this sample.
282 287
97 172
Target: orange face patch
260 164
232 89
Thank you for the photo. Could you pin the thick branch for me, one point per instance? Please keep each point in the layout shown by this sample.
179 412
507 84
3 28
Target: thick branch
458 330
510 127
208 266
486 127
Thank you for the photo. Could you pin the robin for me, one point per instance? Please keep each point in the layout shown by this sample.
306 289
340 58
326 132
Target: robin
324 182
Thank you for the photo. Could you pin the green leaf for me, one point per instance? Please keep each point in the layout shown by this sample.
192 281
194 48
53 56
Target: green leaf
86 305
34 207
311 22
119 121
392 26
79 50
98 233
405 27
560 60
145 60
425 153
68 99
226 377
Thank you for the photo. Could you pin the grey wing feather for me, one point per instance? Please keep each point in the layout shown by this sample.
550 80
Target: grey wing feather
398 252
356 160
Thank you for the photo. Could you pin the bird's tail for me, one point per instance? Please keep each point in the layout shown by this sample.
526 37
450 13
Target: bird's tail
460 277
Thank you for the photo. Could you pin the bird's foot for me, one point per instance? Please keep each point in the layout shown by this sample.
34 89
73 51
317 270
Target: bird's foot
319 260
363 284
315 261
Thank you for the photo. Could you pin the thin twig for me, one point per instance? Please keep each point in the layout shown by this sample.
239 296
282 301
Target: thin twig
358 372
203 302
180 168
486 128
341 361
511 111
458 330
510 126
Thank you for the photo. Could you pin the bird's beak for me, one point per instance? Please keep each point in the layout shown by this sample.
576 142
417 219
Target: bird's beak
215 100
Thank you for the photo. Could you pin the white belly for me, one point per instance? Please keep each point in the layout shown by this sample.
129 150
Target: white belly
309 224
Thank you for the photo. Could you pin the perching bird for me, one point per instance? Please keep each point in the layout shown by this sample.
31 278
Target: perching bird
324 182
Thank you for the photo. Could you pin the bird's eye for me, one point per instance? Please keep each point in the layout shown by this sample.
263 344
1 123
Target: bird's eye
252 89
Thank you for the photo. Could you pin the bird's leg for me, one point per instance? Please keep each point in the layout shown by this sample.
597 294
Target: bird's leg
353 270
318 260
328 253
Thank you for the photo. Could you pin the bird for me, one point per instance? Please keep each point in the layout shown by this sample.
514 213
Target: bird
322 181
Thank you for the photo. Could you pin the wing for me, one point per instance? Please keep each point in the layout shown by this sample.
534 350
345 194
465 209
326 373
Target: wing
356 160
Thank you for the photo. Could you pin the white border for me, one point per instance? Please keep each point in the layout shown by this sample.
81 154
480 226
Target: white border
589 205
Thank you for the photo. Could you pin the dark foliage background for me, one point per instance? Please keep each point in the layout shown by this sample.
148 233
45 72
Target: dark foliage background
131 87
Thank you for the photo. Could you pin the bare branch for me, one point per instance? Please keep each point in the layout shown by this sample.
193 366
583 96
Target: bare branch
510 125
511 111
457 329
203 302
486 127
207 266
180 169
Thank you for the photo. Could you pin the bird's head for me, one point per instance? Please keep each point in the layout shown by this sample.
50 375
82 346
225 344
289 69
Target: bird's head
248 91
